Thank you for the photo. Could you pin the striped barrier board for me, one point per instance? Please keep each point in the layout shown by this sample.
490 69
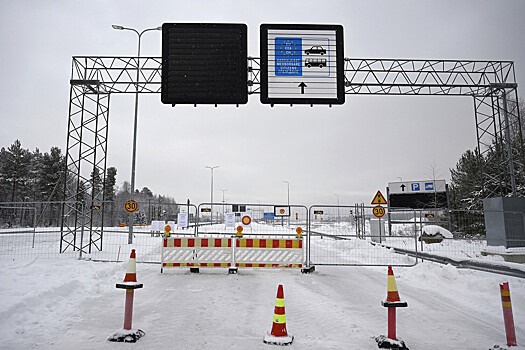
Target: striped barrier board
219 252
267 252
196 252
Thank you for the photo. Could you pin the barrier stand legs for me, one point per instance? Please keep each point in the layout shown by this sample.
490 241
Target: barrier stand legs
510 331
126 334
393 301
233 267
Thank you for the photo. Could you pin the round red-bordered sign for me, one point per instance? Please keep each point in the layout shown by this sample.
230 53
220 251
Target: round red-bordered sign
131 206
378 211
246 220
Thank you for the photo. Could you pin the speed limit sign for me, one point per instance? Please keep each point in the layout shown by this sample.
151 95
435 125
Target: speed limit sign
379 211
131 206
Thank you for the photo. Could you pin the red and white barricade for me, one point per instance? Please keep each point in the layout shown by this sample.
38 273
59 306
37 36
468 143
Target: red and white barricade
269 252
196 252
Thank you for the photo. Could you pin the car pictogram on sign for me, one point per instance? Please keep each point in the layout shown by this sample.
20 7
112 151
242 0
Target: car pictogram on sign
315 50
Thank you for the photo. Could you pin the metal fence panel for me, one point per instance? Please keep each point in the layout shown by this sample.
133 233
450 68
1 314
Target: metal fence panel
345 236
333 235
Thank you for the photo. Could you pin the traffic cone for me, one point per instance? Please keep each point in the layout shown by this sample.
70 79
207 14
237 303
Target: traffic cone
279 334
392 295
131 272
393 301
127 334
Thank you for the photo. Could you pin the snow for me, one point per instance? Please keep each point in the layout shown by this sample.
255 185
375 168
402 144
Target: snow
432 230
73 304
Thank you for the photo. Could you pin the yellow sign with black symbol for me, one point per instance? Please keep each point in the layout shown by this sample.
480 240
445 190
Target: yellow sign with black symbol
379 199
378 211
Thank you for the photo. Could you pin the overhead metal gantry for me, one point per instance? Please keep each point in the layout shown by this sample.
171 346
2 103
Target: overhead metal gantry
492 84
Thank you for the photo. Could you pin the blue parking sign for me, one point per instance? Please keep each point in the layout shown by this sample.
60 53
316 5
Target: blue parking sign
289 57
415 187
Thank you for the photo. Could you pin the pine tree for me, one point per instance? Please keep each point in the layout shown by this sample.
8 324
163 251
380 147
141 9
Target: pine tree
51 175
466 186
109 185
109 195
16 172
480 176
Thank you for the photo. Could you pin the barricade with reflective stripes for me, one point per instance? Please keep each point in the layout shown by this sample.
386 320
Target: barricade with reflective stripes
268 252
219 252
196 252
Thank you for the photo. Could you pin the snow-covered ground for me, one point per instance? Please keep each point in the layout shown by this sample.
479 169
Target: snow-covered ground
73 304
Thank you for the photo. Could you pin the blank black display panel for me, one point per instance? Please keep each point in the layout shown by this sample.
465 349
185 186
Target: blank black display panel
204 63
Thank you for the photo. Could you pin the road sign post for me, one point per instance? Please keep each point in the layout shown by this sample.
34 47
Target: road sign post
378 210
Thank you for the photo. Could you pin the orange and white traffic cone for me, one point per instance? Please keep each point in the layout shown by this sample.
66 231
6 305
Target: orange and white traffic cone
392 302
131 272
279 334
127 334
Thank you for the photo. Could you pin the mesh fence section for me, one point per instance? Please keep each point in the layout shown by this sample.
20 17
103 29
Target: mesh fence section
333 235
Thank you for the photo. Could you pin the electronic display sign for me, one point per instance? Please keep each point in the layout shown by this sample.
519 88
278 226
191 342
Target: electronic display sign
204 63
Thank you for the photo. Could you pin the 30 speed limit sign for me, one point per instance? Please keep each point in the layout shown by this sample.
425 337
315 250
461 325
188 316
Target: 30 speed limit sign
131 206
379 211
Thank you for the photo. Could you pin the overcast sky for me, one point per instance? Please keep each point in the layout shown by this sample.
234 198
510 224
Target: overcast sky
347 152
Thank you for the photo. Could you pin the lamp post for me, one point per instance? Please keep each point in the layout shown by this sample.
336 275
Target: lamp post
223 203
133 158
335 194
211 168
288 186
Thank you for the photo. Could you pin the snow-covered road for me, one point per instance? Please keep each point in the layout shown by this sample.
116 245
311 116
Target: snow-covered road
71 304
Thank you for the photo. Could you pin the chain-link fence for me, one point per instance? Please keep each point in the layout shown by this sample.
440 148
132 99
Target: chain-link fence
353 236
333 235
457 233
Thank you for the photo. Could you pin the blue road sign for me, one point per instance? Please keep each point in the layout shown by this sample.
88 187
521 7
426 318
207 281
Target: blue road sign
429 186
269 216
288 57
415 187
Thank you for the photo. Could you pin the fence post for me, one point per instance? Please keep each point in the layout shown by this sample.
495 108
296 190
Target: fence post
82 205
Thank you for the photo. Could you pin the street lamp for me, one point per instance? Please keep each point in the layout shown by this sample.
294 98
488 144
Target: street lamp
289 213
288 185
223 202
335 194
211 168
133 158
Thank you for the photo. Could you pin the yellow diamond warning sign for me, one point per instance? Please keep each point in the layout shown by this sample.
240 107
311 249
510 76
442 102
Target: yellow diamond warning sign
379 199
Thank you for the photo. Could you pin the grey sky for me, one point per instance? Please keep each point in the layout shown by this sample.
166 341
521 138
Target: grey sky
350 150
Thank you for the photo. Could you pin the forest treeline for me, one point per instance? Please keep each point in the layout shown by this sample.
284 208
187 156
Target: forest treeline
35 176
